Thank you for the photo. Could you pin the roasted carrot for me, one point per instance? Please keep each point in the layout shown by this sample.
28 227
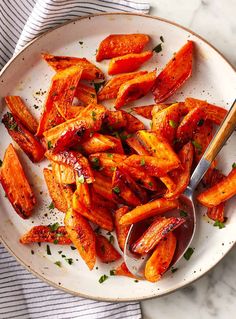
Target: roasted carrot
105 250
135 89
108 161
46 234
59 63
120 44
25 139
202 138
63 174
145 111
121 230
86 94
102 184
97 143
111 88
175 73
61 195
133 124
16 185
220 192
156 207
115 120
20 110
122 270
161 258
155 232
82 236
128 63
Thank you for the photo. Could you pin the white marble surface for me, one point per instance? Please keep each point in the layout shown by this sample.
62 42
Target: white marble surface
214 295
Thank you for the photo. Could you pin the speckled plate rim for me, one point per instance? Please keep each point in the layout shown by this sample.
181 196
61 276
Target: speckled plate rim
4 69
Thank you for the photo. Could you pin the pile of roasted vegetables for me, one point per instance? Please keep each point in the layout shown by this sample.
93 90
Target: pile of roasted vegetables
108 170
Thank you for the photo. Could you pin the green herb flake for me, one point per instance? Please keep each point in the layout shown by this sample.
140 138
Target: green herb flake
102 279
162 39
69 260
97 86
81 179
54 227
111 239
173 270
110 155
116 190
73 248
94 115
188 253
63 256
0 162
48 250
55 241
142 162
172 123
51 206
58 263
112 272
200 122
233 165
219 224
95 163
183 213
112 168
197 145
150 184
49 145
158 48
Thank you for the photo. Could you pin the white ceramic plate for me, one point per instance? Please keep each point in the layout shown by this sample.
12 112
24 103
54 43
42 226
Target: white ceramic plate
213 79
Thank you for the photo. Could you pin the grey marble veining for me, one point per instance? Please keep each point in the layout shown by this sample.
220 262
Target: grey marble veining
214 295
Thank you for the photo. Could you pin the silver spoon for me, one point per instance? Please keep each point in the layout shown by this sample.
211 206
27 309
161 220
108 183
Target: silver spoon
186 231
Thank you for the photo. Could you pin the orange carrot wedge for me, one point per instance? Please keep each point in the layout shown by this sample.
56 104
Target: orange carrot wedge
82 236
145 111
157 231
153 208
97 143
20 110
63 174
175 73
86 94
161 258
133 124
25 139
128 63
105 250
58 63
220 192
16 185
46 234
120 44
121 230
122 270
135 89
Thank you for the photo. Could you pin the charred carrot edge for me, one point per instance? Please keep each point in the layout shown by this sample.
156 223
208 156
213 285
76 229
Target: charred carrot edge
82 236
175 73
105 250
16 185
20 110
120 44
46 234
161 258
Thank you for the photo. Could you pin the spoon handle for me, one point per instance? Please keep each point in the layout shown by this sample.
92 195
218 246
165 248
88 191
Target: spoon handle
223 133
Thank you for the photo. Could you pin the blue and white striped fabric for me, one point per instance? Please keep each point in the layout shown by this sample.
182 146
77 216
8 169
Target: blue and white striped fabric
21 294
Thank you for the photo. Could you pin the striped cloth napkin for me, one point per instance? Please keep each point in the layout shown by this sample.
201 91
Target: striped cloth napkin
22 295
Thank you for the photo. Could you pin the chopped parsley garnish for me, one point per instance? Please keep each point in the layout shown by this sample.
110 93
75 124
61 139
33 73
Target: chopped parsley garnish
54 226
95 163
81 179
188 253
183 213
69 260
219 224
97 86
200 122
116 190
13 126
150 184
111 239
110 155
162 39
73 248
94 115
233 165
0 162
55 241
112 272
112 168
174 269
172 123
58 263
142 162
49 145
51 206
102 279
197 145
48 250
158 48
